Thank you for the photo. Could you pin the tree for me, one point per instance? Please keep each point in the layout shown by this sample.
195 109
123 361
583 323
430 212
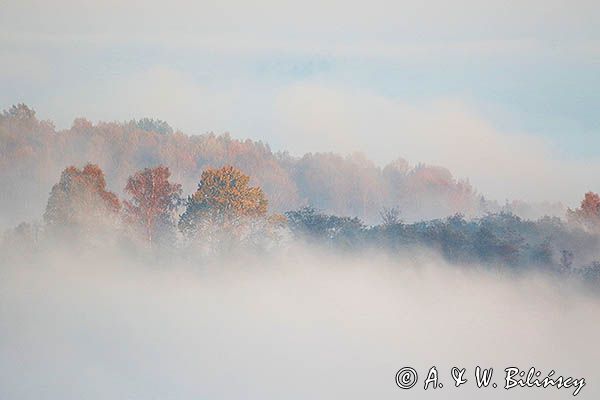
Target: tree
80 199
490 246
21 118
588 214
21 240
153 201
390 216
224 200
542 253
566 260
591 273
153 125
19 112
310 224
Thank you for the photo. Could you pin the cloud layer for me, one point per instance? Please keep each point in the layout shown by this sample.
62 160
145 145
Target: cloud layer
295 325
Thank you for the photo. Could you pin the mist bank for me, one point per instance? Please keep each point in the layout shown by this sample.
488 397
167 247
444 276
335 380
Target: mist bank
207 231
300 322
33 153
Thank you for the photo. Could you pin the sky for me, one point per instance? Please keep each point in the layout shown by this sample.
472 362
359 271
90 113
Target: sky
503 93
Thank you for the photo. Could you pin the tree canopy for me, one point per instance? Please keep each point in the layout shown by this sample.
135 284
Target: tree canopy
224 199
153 201
80 198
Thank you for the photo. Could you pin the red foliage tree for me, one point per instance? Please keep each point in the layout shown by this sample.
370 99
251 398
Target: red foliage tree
588 214
32 153
153 200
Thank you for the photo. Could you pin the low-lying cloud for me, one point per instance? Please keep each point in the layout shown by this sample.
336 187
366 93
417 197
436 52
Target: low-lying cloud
296 324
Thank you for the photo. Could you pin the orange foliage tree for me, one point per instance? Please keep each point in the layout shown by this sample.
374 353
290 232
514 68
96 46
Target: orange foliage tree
224 200
33 153
588 214
153 201
80 199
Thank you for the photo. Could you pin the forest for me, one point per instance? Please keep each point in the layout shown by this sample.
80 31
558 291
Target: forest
33 154
143 185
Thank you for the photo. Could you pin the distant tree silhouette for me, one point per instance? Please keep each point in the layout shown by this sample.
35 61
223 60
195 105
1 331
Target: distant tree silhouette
310 224
153 125
390 216
19 112
566 260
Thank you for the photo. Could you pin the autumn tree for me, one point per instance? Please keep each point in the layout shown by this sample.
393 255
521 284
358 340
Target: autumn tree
588 214
80 199
225 201
33 152
153 201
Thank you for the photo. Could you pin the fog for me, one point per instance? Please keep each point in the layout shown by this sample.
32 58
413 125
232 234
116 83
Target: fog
299 323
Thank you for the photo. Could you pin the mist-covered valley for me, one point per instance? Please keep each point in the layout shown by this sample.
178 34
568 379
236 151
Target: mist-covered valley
300 322
299 200
139 263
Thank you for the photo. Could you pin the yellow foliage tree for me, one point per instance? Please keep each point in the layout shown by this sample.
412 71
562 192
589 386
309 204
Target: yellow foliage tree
223 200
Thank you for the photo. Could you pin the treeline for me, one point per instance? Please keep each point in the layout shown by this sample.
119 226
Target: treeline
33 153
225 212
496 239
227 215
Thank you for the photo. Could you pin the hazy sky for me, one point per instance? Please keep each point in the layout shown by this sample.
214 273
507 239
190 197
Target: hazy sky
503 92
